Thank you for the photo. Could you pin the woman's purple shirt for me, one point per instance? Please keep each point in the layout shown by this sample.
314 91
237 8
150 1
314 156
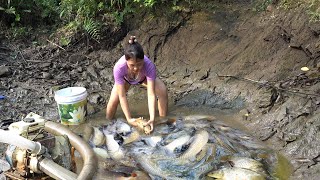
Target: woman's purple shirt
120 71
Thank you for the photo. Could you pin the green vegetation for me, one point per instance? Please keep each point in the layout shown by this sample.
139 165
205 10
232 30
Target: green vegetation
77 16
87 17
314 10
261 5
312 6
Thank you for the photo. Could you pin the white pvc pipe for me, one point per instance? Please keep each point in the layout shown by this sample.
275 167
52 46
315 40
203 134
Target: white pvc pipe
15 139
55 171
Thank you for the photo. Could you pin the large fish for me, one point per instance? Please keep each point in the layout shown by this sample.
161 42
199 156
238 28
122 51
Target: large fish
98 138
199 141
174 135
114 150
219 138
241 138
246 163
118 126
151 167
133 136
208 151
177 143
101 153
206 155
141 127
122 127
198 172
235 173
153 140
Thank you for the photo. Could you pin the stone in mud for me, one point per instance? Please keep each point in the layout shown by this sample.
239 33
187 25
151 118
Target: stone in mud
4 71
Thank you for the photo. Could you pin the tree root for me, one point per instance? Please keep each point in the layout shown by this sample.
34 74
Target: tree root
268 85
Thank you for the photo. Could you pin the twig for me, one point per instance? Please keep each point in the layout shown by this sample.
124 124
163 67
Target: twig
38 61
22 56
266 83
242 78
56 45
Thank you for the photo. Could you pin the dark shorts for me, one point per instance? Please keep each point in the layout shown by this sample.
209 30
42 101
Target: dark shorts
140 82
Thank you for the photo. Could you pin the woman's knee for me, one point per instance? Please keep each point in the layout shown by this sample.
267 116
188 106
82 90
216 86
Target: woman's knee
161 89
114 98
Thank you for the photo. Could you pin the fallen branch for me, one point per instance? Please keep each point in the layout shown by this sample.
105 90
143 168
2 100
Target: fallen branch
56 44
268 84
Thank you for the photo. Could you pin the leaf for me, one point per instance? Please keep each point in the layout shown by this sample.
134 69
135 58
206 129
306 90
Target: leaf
100 6
17 17
11 10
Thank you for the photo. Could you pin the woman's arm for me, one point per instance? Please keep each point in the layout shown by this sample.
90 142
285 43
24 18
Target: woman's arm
124 103
151 102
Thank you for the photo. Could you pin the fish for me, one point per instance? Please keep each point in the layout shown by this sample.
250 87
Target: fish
131 137
164 129
223 141
206 155
198 117
246 163
206 152
253 144
177 143
114 150
153 140
174 135
141 127
235 173
122 127
151 167
199 141
98 138
198 172
200 123
241 138
101 153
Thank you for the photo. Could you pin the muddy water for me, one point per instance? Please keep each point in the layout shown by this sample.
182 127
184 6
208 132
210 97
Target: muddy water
281 166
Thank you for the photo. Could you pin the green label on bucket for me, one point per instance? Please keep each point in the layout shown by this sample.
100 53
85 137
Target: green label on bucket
73 114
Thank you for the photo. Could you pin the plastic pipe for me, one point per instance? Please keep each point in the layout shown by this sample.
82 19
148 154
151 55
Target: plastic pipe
19 141
55 171
90 164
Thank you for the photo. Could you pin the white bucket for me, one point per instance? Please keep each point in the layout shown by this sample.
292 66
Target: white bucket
72 105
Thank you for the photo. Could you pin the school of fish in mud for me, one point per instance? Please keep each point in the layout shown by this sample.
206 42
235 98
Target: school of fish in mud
186 147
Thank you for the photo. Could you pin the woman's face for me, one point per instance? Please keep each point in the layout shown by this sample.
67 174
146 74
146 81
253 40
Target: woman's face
135 65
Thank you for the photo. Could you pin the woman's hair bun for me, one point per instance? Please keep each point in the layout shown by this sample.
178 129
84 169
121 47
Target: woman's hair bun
132 40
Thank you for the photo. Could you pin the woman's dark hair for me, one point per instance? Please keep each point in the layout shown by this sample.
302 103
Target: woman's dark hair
133 50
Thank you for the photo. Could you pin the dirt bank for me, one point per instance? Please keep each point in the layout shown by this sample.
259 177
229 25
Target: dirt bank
228 58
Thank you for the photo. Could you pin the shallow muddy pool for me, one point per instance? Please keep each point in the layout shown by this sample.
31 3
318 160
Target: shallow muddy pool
190 143
227 143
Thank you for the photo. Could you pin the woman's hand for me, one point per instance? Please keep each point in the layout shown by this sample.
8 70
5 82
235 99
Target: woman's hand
150 123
